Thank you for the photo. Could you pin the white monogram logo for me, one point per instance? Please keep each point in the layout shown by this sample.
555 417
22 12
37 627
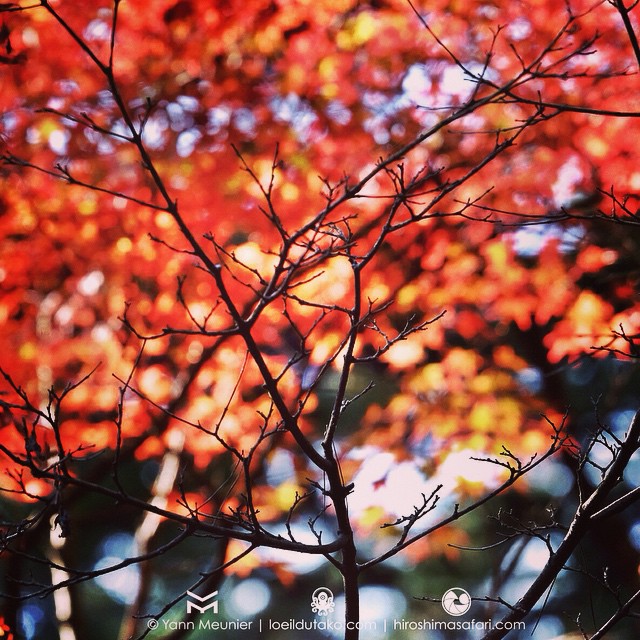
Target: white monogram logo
202 599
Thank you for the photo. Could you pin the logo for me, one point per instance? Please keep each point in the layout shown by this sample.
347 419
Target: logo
322 601
202 599
456 602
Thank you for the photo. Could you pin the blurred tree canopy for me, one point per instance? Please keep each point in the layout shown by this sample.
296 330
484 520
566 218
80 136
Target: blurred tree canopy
338 294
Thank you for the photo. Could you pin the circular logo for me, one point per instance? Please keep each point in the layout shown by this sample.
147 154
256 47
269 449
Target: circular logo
322 601
456 602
